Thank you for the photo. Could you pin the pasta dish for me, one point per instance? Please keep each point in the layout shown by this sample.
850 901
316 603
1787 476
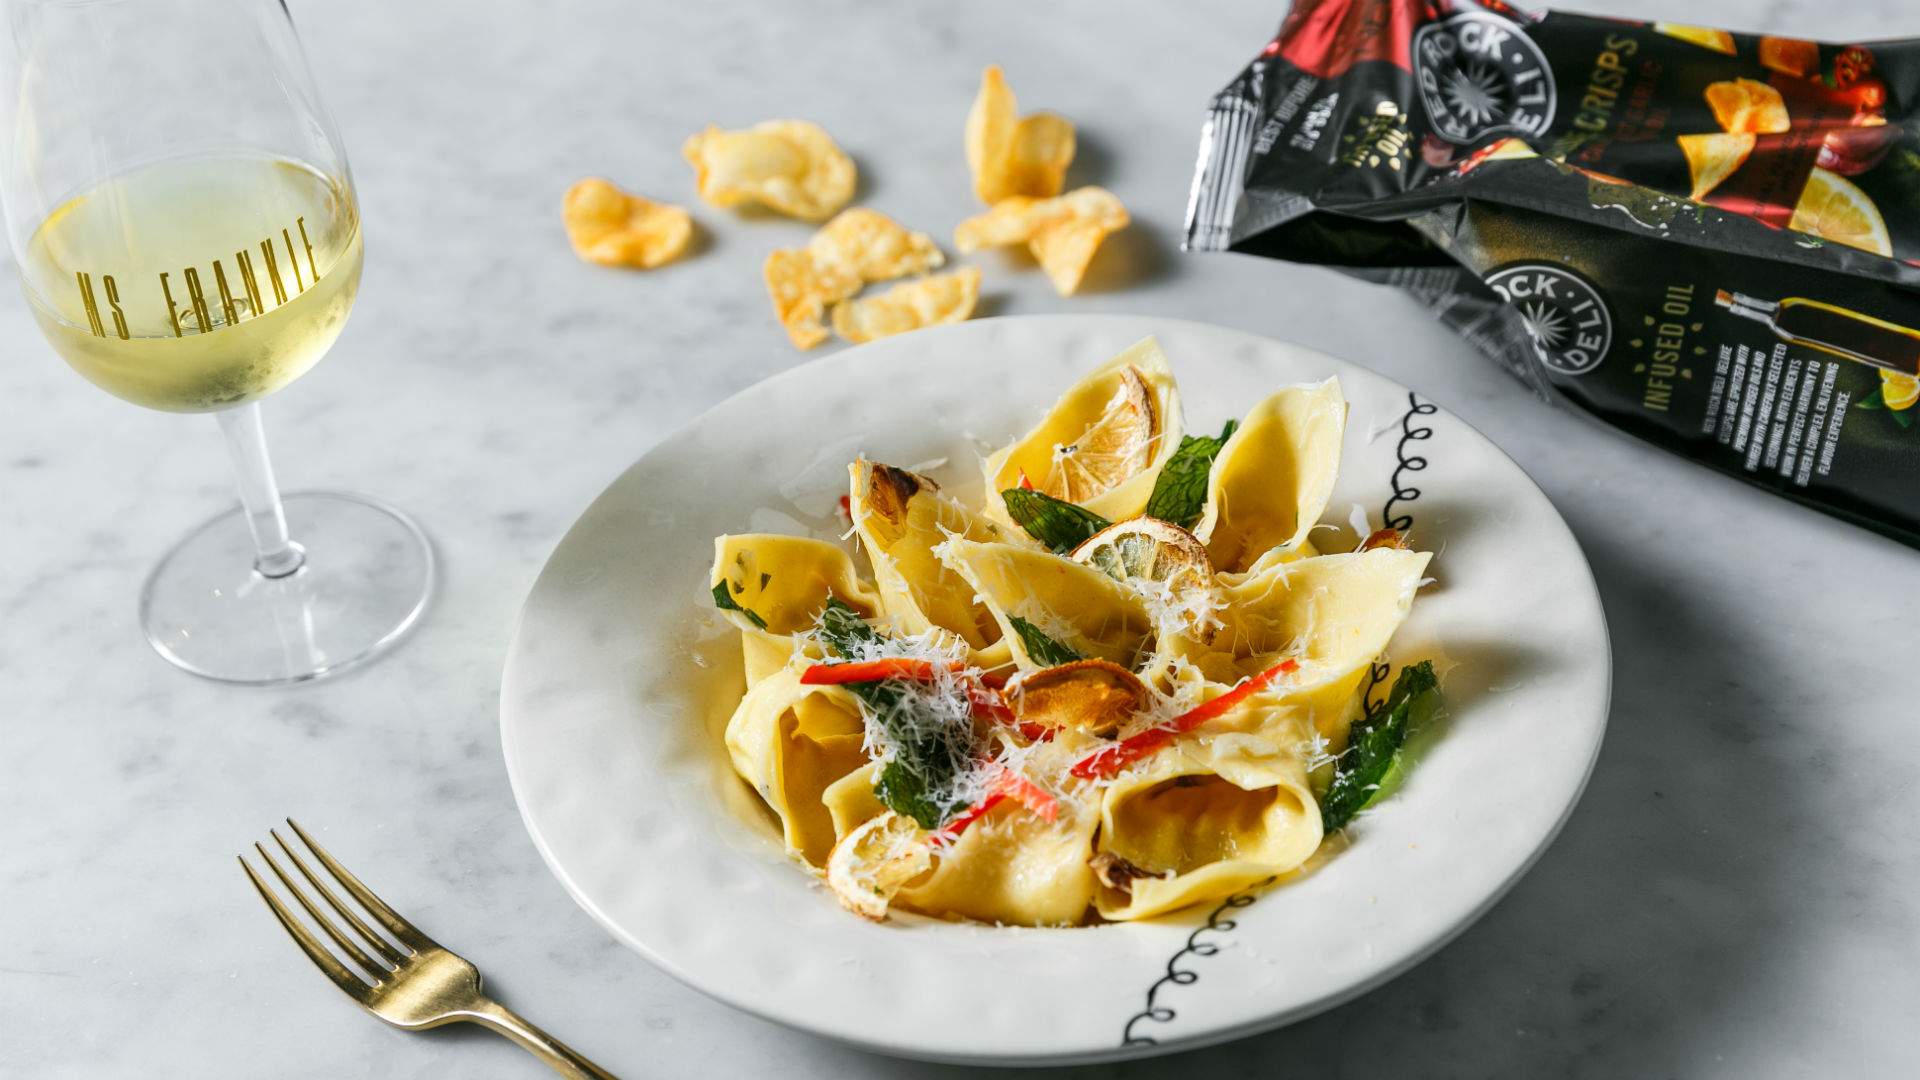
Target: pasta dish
1130 677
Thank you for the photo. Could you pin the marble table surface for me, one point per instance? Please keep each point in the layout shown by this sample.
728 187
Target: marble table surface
1734 897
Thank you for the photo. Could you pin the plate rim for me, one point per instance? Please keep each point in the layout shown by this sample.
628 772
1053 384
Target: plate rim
1119 1051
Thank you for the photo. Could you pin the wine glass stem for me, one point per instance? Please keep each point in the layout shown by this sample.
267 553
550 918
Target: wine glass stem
275 554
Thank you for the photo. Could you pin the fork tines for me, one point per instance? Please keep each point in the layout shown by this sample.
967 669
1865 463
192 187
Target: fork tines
376 955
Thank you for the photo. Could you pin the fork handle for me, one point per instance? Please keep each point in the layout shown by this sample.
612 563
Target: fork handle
558 1056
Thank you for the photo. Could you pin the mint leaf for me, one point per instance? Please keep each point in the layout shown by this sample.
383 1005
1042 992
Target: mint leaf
1875 400
723 600
1180 494
1373 746
905 791
1060 525
1045 650
928 754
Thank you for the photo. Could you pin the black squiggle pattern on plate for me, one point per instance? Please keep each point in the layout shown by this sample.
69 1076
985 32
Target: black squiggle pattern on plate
1198 943
1179 976
1410 433
1409 462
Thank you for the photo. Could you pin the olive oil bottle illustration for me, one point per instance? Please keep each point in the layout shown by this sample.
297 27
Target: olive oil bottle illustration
1834 330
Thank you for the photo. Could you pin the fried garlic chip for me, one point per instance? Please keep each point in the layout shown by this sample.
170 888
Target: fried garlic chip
1062 232
791 166
1097 696
928 301
1748 105
1010 154
613 228
856 247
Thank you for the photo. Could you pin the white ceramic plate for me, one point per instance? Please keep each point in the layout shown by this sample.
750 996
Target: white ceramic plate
620 679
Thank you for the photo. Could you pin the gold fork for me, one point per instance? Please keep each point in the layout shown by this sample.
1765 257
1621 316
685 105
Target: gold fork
409 981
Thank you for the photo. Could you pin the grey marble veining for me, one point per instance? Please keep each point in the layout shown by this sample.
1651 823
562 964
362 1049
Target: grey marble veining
1733 898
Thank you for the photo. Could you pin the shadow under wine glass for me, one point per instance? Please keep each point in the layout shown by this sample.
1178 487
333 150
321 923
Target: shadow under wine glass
188 237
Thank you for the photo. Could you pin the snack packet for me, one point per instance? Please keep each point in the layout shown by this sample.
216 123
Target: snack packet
1708 239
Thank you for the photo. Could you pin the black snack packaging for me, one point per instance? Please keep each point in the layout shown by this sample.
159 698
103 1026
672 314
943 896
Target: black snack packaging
1708 239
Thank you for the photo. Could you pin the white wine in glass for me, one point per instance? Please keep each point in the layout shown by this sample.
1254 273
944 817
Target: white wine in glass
172 327
187 235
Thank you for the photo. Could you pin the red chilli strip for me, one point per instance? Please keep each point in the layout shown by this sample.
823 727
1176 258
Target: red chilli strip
987 705
1007 785
1031 795
951 831
1025 483
1033 732
1109 760
891 667
986 693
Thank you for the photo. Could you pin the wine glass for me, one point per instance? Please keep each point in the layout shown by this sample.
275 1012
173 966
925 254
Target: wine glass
187 234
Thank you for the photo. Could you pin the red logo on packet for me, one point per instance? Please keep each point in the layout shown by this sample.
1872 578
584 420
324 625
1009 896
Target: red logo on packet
1326 37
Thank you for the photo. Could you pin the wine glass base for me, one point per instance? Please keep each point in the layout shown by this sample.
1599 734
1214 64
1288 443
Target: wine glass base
368 574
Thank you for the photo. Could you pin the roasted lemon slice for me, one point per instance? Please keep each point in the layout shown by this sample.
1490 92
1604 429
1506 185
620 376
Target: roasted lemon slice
1165 564
1112 450
1077 439
875 861
1834 208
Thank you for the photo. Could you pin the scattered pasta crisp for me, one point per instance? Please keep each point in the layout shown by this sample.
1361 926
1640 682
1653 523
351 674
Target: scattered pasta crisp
801 287
613 228
1062 232
791 166
877 247
927 301
1010 154
856 247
